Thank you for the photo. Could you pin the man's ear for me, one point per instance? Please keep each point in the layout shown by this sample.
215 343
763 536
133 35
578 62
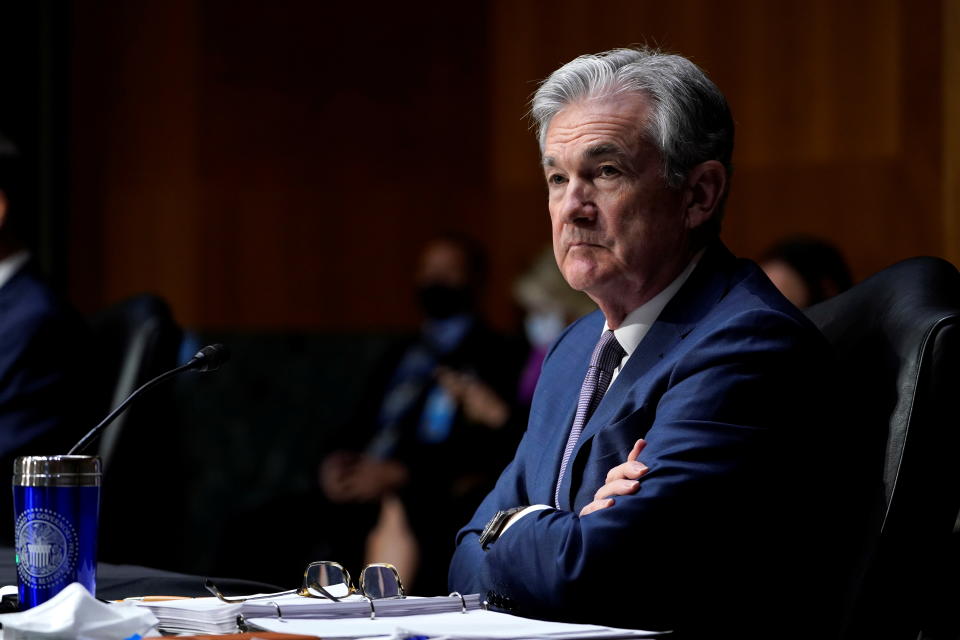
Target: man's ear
704 189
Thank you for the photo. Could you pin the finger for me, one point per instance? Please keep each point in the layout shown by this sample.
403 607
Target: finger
356 489
637 448
596 505
617 488
634 470
452 382
627 470
448 382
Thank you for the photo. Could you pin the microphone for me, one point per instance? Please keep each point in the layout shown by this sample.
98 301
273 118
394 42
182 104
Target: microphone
207 359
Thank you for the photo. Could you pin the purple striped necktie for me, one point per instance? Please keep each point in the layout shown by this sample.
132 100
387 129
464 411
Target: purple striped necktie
606 357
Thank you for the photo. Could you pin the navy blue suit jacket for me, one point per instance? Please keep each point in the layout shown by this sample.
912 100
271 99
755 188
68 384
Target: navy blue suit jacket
738 523
43 402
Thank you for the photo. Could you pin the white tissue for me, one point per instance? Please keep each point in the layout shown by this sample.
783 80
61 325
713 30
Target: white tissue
74 613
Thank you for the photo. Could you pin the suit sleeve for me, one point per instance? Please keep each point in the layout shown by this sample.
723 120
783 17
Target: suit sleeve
468 556
510 491
717 449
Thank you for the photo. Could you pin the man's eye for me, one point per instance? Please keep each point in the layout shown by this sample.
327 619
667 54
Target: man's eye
556 178
608 170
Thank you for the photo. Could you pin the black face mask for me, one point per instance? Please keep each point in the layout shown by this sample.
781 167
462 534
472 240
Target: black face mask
439 301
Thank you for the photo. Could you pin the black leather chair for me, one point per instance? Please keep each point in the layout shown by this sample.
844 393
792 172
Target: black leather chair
897 335
136 340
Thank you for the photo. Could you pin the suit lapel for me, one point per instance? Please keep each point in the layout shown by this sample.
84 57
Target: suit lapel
707 284
558 403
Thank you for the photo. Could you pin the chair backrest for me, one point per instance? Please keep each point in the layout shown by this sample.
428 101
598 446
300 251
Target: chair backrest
897 337
136 340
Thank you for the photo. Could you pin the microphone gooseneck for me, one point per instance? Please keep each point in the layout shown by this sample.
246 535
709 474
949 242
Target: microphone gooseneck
207 359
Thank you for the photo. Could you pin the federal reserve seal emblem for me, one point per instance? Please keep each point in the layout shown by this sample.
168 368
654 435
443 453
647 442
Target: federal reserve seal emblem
46 545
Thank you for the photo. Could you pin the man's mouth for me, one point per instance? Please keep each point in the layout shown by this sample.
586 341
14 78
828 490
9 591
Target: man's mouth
581 238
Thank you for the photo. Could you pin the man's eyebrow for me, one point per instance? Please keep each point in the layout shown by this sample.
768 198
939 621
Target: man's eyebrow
605 149
596 151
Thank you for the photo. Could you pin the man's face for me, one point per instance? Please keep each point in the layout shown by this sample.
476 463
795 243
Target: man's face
619 232
443 262
444 280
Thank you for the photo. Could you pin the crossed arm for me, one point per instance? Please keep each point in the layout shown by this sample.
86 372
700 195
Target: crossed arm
622 480
713 463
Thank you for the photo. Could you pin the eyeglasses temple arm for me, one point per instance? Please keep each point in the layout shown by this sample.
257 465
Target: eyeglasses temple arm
212 588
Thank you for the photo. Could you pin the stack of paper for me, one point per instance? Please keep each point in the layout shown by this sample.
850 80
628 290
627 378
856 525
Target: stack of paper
294 606
211 615
475 625
350 618
194 615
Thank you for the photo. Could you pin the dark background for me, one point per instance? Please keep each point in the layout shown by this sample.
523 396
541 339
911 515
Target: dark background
272 169
278 165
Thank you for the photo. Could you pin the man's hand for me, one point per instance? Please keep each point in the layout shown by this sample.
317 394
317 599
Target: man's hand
349 477
621 481
479 401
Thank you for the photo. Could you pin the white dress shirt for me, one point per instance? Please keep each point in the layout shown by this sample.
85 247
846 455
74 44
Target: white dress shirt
11 264
635 326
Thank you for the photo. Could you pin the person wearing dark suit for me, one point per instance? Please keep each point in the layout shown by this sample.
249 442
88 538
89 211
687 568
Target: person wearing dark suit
708 490
42 399
39 374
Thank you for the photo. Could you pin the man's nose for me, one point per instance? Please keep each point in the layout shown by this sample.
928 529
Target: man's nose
579 204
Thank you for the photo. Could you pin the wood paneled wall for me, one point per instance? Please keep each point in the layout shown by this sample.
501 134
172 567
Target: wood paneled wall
279 165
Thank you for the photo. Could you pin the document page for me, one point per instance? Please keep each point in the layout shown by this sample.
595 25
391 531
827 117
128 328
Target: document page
474 625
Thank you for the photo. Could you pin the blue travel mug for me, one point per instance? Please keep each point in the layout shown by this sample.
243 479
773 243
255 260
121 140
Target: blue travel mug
56 503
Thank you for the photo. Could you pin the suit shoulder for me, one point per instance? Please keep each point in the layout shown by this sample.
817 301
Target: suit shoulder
753 300
26 297
29 307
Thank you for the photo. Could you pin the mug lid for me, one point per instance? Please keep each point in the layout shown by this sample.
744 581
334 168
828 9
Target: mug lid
56 470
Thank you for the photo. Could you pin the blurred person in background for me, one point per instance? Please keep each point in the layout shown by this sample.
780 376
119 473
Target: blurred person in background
549 305
43 399
442 427
806 270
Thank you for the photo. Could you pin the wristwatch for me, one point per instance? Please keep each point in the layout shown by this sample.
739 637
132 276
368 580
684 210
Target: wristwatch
495 527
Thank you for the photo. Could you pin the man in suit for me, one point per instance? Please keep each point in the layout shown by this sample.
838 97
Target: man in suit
42 399
679 469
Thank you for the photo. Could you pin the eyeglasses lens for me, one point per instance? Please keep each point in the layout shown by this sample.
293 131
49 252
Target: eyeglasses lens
330 576
379 582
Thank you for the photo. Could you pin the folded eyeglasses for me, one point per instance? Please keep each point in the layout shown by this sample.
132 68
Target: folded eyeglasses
331 580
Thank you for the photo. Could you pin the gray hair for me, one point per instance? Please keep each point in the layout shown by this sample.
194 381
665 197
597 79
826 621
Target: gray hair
690 121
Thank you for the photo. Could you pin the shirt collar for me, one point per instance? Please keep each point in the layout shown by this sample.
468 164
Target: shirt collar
11 264
635 326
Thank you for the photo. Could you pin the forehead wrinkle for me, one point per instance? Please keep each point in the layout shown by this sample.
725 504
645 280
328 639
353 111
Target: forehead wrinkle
594 150
610 115
593 138
595 129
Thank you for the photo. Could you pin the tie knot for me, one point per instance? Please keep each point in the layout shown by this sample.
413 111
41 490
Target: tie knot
608 353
